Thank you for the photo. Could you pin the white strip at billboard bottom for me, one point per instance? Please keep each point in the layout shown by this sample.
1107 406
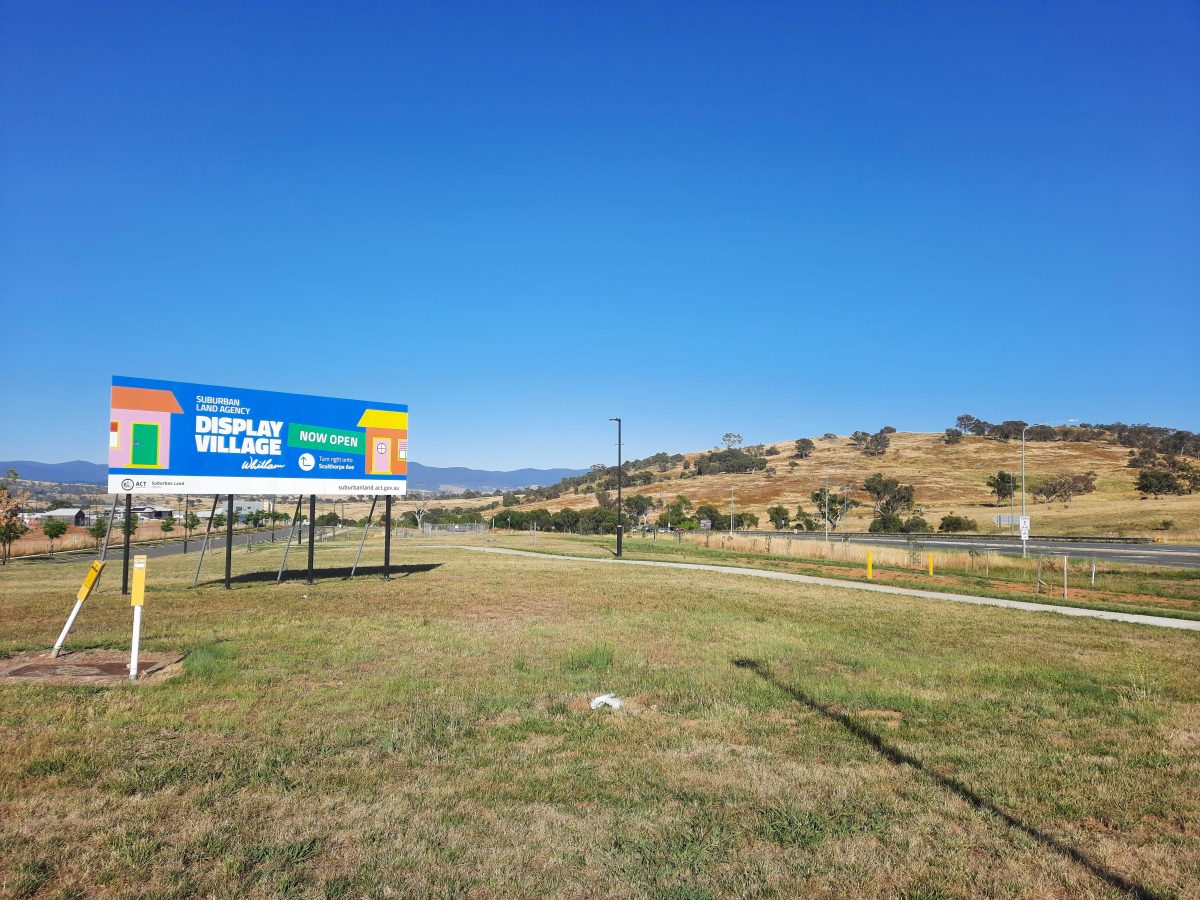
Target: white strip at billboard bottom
218 484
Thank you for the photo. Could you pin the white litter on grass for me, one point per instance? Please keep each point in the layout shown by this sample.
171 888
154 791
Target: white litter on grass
607 700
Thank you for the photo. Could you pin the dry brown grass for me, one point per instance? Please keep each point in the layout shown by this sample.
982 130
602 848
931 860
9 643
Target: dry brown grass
948 479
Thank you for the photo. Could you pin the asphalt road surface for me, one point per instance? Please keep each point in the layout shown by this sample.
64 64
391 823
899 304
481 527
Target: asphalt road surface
1139 554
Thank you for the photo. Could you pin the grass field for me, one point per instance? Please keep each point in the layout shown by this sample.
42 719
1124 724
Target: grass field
431 736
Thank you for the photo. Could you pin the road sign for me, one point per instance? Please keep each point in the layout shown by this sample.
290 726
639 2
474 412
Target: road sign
706 524
1024 528
173 437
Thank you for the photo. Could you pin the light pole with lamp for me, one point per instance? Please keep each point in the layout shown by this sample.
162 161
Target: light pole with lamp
618 421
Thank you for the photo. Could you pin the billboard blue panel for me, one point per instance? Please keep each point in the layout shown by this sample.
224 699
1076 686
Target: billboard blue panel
173 437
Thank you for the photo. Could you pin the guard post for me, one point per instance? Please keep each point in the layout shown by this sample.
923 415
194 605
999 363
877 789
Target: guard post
139 593
85 591
870 561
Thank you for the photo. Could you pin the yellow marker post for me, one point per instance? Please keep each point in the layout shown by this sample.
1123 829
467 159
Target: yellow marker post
135 600
85 591
930 563
870 560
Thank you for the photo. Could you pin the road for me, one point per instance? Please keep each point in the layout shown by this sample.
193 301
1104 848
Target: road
1186 557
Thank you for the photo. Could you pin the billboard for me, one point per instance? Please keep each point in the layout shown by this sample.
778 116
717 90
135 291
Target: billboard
173 437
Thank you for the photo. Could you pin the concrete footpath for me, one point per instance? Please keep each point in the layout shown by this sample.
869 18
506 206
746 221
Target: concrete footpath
1134 618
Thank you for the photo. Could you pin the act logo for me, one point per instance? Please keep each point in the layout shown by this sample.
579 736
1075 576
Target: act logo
127 484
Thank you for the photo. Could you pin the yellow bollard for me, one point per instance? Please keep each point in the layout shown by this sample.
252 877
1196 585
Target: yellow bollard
930 563
870 560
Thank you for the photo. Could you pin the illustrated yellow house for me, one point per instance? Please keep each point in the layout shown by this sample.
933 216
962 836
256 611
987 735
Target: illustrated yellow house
139 428
387 441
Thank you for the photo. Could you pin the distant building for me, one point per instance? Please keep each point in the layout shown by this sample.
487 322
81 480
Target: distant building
70 516
153 512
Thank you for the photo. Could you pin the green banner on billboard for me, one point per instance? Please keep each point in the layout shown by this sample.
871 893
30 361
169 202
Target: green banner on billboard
337 440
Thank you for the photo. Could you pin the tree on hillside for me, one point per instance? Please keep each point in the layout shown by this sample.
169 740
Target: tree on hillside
53 529
858 440
731 440
832 506
1063 487
1157 482
1001 485
778 515
890 496
888 429
953 436
637 505
792 465
877 444
804 448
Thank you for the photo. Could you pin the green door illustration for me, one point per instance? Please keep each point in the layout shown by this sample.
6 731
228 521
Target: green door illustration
145 445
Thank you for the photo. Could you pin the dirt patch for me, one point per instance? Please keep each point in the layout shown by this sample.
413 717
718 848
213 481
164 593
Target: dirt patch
107 667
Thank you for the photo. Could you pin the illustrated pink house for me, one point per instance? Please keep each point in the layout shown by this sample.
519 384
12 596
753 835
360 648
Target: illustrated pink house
139 428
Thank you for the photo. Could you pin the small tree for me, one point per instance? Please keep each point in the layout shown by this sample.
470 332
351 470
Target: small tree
731 439
779 517
98 529
859 439
836 507
53 529
192 521
218 521
953 436
804 448
1157 482
792 465
1001 484
167 525
12 501
891 497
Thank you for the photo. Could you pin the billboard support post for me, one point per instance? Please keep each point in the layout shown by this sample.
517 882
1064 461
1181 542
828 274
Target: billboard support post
207 531
125 561
387 538
228 541
288 545
312 525
366 528
187 510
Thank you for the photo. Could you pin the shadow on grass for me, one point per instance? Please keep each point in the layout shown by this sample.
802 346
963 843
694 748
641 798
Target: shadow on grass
898 757
397 571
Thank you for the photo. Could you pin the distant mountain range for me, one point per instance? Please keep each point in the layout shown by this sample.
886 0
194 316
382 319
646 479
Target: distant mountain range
420 478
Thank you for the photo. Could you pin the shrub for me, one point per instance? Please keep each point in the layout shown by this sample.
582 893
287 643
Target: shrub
916 525
953 436
953 523
886 524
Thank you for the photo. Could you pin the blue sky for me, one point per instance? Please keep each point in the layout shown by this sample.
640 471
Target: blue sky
522 219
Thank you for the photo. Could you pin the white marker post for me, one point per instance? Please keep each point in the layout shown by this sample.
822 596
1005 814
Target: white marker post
85 591
135 600
1024 534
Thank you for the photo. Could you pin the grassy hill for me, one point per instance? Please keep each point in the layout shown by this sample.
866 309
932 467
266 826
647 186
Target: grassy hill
947 478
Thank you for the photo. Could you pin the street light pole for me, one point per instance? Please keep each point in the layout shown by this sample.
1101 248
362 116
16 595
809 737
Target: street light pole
618 421
1023 430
